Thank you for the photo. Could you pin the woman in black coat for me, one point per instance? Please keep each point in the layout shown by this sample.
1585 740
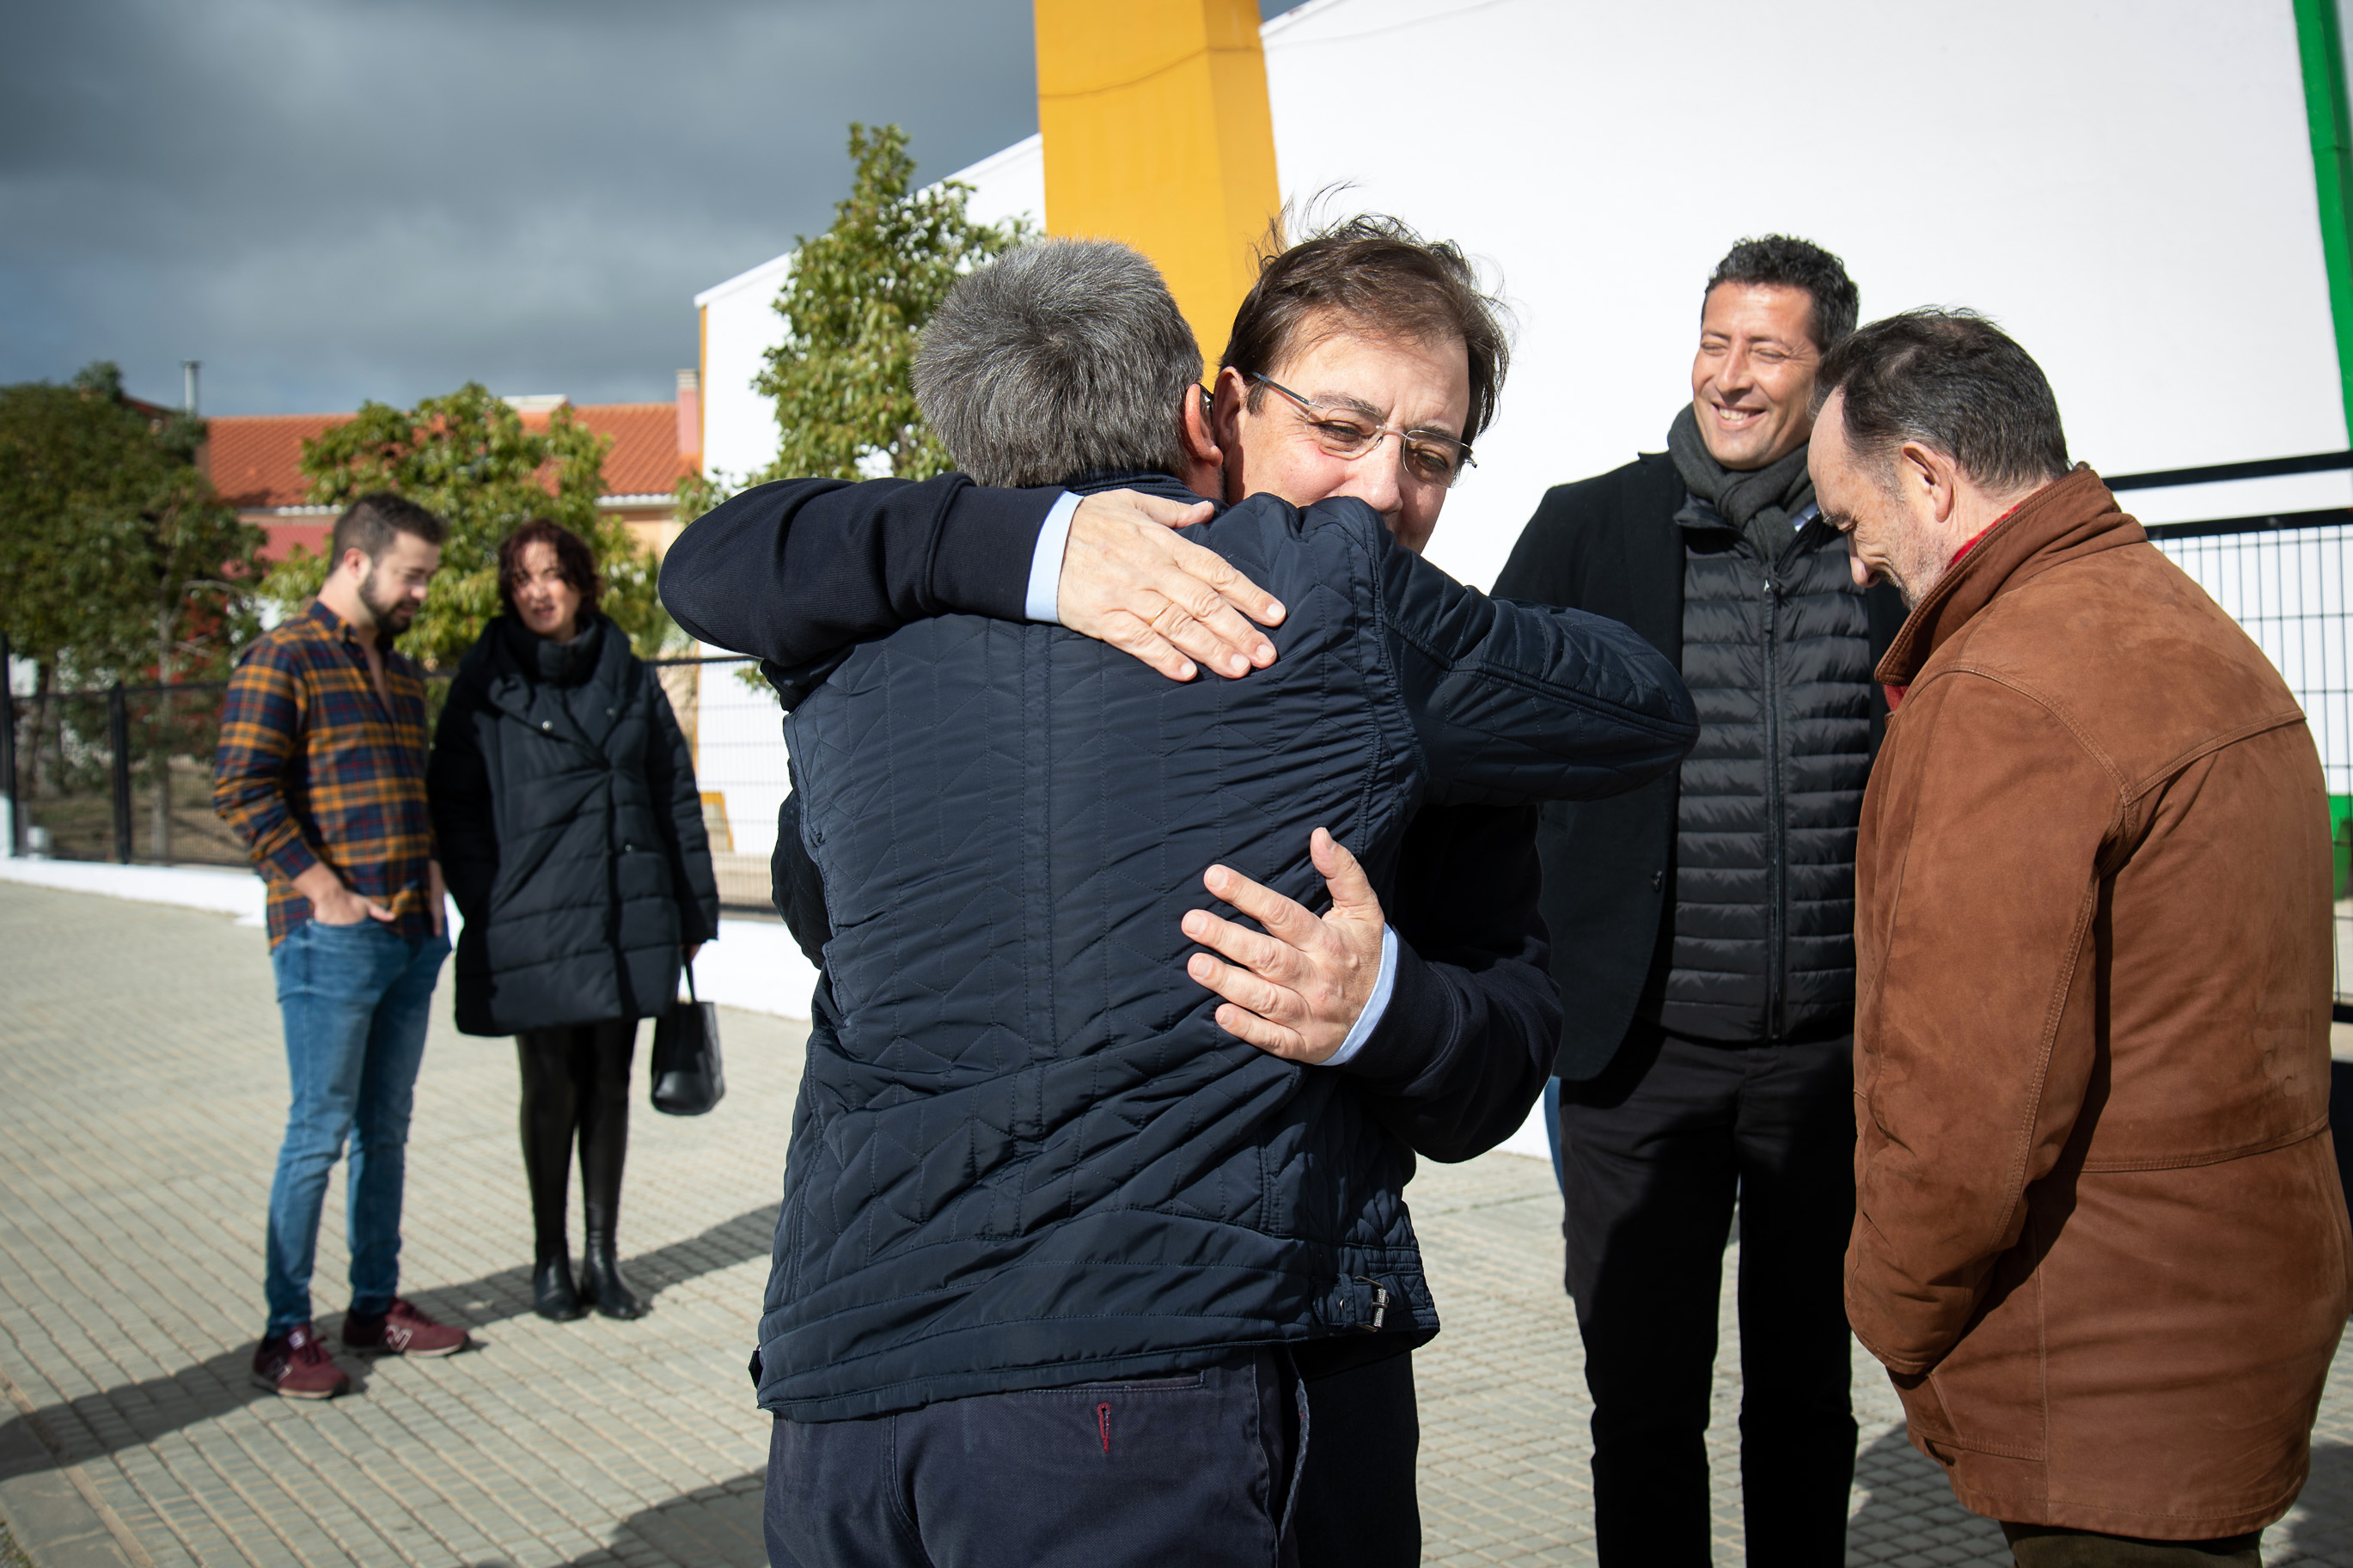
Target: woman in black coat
571 836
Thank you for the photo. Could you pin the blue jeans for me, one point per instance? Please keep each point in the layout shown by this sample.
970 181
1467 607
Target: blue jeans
356 1000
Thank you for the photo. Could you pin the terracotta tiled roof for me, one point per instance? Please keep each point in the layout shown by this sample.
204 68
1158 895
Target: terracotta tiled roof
255 461
645 458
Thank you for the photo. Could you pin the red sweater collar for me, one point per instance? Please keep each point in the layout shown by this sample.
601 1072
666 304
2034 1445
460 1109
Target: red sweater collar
1895 693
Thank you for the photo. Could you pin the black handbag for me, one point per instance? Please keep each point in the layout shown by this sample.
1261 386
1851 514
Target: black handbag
687 1079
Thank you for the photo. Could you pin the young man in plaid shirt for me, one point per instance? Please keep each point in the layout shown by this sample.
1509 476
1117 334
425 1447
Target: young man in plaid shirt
321 770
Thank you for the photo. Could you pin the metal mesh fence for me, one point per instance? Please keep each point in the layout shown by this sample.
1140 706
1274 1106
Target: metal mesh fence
2284 579
122 774
126 773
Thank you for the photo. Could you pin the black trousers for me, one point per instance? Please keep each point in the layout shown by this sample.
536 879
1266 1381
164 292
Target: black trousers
1357 1505
1655 1153
1203 1468
2051 1546
576 1089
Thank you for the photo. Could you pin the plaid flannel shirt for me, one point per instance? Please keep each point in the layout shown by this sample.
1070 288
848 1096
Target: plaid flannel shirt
312 768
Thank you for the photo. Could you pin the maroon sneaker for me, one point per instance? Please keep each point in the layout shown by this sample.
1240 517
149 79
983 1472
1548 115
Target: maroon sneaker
297 1366
401 1330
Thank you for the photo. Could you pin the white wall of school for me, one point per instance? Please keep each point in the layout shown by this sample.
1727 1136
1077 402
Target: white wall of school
739 755
2129 190
739 325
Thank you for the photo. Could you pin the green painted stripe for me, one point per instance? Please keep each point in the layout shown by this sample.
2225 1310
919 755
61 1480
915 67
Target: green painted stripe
2321 42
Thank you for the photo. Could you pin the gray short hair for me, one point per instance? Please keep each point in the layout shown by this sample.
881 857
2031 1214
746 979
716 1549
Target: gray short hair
1063 358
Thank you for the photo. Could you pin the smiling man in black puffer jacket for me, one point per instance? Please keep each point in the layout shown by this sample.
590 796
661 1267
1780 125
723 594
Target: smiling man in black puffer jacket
1055 1244
1706 923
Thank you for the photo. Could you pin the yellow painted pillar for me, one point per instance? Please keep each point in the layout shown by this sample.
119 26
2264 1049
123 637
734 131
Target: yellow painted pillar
1156 132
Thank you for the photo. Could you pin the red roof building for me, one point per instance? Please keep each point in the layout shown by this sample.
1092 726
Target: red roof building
254 461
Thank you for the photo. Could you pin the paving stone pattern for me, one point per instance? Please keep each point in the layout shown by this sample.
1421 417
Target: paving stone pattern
141 1093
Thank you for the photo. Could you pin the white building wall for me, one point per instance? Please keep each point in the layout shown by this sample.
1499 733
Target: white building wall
2129 190
740 325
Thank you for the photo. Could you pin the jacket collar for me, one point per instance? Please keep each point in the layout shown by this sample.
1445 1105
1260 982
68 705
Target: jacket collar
506 686
2066 519
1151 484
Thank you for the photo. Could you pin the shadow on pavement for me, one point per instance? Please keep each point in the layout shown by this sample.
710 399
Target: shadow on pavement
1911 1502
714 1525
2322 1525
130 1414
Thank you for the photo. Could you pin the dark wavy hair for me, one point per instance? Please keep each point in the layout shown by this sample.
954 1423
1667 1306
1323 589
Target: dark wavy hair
1375 274
369 523
572 559
1790 263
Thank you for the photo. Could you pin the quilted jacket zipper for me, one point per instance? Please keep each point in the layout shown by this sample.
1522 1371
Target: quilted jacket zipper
1777 922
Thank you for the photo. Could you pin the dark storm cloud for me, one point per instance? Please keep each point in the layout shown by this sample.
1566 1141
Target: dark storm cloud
327 202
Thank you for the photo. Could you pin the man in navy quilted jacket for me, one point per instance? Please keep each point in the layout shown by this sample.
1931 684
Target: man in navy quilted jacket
1071 1248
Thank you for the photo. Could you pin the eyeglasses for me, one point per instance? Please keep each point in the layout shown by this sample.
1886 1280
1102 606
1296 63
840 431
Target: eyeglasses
1431 456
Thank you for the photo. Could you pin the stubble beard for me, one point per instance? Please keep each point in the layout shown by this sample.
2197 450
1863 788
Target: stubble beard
1917 567
393 616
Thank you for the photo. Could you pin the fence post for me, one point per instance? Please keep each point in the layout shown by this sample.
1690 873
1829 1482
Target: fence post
14 844
118 737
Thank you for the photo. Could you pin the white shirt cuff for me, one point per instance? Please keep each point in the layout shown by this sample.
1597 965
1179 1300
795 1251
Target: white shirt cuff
1378 1004
1046 562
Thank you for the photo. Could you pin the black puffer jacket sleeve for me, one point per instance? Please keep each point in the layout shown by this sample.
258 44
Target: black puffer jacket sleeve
678 807
1515 703
457 786
796 569
1473 1017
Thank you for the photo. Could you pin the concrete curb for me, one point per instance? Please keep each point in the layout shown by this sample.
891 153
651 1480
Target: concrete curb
53 1507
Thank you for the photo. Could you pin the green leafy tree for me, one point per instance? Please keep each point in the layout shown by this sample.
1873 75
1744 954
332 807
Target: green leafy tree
469 458
116 561
854 309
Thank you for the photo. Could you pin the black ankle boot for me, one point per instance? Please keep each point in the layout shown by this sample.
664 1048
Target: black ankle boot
550 1112
551 1295
601 1281
603 1151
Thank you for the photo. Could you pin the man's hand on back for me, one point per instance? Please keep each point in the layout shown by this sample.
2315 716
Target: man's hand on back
1305 981
1130 581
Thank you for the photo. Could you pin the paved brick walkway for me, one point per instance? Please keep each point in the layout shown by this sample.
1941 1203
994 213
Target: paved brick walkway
141 1097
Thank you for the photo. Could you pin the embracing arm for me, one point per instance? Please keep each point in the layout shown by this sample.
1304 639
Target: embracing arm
793 571
1975 1035
1518 702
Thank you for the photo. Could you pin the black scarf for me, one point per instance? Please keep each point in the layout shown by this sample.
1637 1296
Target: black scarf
1766 497
557 663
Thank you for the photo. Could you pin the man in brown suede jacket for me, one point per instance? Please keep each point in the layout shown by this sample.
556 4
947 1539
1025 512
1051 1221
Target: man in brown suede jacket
2100 1242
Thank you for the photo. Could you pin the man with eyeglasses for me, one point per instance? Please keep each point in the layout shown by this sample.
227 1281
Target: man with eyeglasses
1362 364
1702 936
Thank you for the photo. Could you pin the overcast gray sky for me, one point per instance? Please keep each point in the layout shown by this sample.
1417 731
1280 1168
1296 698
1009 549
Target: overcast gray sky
330 200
